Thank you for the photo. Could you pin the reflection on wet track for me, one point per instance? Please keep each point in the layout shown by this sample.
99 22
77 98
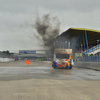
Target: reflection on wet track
40 81
40 70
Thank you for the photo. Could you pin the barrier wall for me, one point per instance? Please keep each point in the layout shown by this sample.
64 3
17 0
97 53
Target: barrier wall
88 58
90 65
6 59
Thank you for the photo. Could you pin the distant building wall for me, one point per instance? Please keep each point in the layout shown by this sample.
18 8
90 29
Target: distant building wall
6 59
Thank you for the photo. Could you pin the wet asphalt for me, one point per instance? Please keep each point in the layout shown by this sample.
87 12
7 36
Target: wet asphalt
19 70
40 81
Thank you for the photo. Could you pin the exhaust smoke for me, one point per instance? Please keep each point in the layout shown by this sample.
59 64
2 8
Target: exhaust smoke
47 27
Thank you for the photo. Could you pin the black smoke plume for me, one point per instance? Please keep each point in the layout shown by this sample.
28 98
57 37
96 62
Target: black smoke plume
47 27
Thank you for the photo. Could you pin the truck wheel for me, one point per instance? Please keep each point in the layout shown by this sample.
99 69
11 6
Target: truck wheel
71 67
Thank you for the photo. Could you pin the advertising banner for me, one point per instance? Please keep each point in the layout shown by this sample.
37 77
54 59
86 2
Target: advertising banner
27 51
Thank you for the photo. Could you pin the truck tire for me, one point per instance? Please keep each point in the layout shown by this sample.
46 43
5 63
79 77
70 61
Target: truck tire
71 67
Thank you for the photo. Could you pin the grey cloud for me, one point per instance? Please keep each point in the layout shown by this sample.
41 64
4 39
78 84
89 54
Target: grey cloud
9 20
17 15
17 40
28 5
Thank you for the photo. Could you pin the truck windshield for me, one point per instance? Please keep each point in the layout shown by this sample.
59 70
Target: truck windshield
62 56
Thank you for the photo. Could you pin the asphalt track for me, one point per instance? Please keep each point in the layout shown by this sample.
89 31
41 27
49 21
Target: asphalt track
40 81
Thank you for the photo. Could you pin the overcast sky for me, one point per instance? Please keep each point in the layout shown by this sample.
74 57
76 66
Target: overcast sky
17 15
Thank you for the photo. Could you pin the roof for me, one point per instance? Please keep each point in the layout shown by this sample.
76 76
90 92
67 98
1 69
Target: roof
83 29
92 35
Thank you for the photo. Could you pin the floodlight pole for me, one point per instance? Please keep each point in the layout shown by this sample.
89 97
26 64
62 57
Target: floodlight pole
86 39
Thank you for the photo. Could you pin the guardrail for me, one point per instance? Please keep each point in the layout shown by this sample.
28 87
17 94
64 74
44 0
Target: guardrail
92 62
88 59
89 65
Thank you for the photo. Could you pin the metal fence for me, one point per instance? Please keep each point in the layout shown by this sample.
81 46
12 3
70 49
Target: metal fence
88 58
